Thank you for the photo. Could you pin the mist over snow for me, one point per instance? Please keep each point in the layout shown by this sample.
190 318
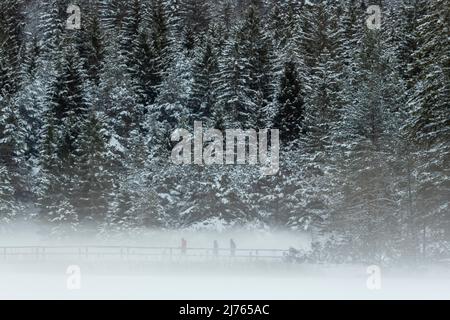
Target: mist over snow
118 180
104 274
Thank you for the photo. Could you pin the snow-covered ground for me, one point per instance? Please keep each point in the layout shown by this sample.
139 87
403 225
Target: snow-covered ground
188 281
206 278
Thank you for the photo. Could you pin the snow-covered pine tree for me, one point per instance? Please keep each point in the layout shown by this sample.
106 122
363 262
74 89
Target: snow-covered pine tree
290 105
11 38
204 70
66 104
282 23
146 69
13 145
368 218
230 84
51 27
315 119
8 205
160 35
12 126
128 33
196 16
91 42
49 183
256 58
429 121
119 102
93 171
29 107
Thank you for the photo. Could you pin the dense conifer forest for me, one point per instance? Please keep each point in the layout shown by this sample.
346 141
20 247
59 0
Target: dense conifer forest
86 117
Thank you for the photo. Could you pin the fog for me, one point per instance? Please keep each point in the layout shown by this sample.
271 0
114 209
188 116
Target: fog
33 234
108 271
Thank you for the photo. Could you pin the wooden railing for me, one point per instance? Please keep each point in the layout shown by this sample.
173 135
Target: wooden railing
139 253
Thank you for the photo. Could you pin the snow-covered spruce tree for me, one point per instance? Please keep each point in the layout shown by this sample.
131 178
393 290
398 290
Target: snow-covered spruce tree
174 92
93 171
277 200
400 40
29 99
66 108
160 35
159 117
352 24
91 42
195 18
136 51
204 70
70 104
407 40
429 122
51 27
290 105
307 166
316 143
223 16
201 194
119 102
111 14
231 194
146 69
134 202
8 206
230 83
13 145
11 37
368 219
12 125
129 30
52 192
241 85
282 23
64 221
169 112
256 58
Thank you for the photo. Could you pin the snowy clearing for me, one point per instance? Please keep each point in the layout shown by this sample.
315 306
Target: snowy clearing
226 281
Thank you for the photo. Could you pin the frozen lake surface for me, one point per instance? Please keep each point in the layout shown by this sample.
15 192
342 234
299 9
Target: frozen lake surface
39 276
228 282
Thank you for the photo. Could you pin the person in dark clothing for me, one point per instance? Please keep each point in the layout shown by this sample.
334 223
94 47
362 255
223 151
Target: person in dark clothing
232 248
216 248
183 246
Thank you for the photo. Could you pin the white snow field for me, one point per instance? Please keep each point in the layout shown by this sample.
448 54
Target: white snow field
109 273
307 282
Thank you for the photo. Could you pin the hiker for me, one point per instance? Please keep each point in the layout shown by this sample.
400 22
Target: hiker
183 246
216 248
232 248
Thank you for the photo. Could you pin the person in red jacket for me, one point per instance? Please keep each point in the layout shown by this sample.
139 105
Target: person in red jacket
183 246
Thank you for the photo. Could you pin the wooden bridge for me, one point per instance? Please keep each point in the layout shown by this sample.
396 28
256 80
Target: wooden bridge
133 253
